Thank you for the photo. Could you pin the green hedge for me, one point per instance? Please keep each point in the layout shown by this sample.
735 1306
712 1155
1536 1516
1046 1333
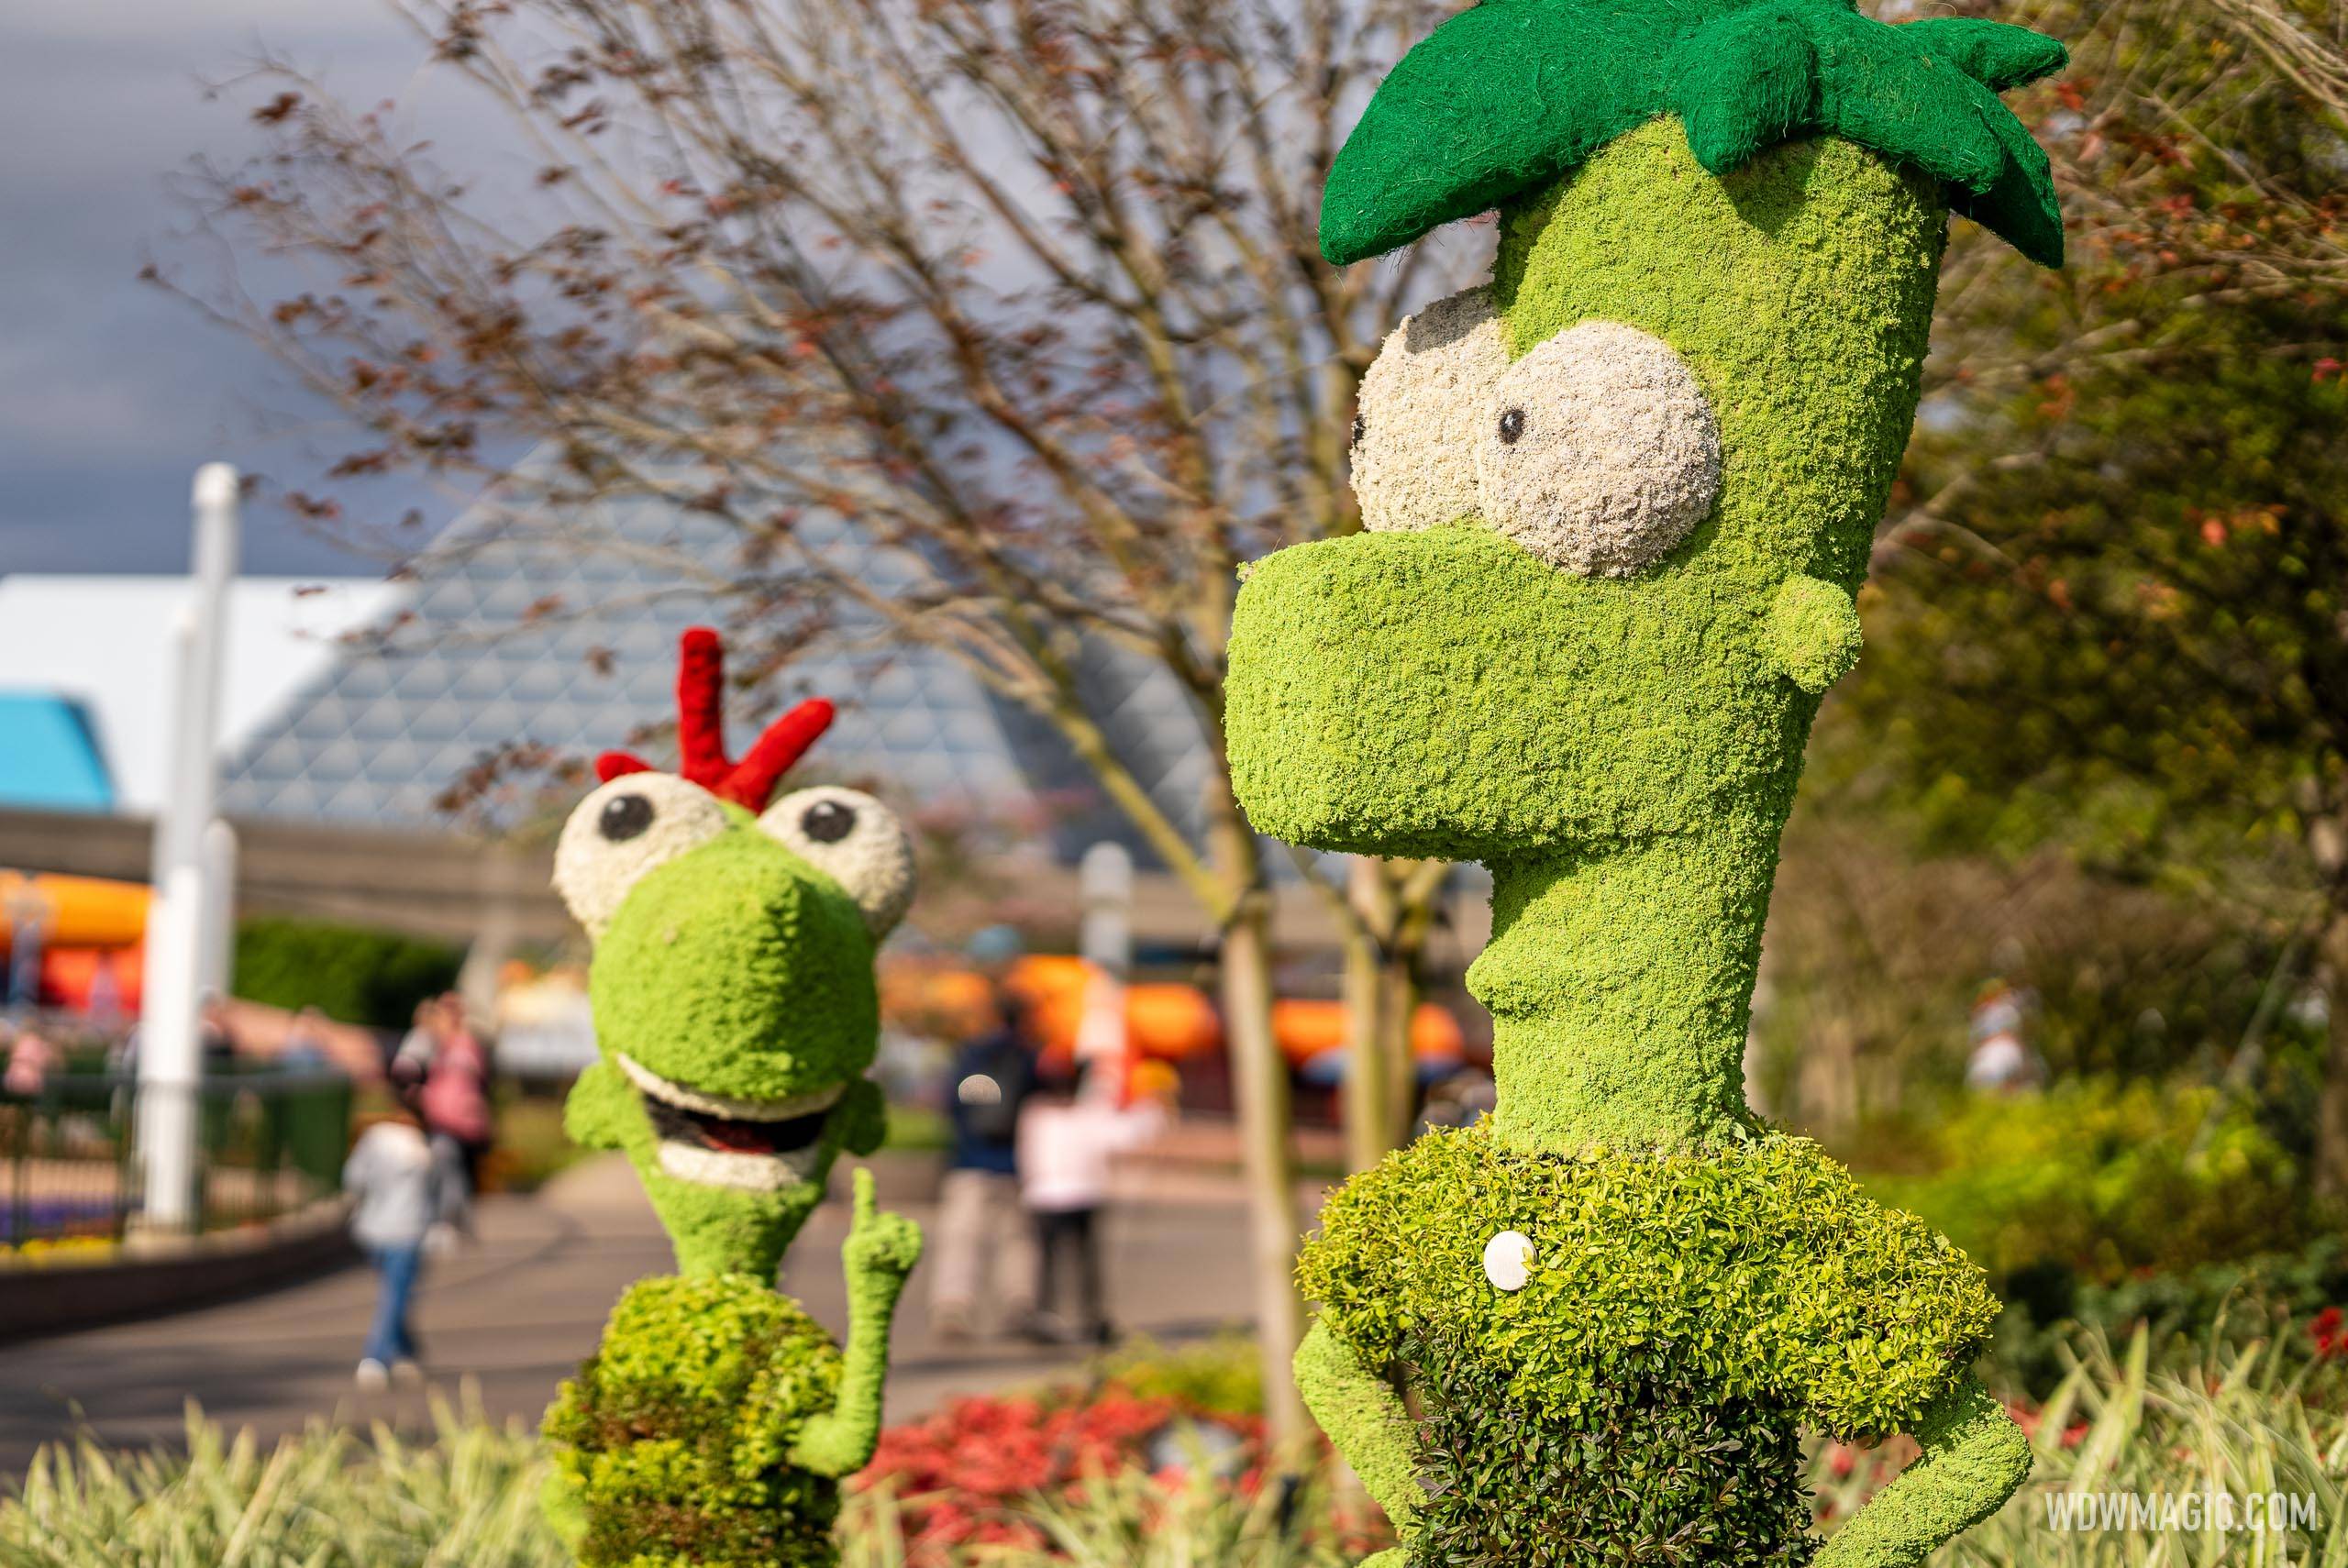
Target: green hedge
2102 1182
351 974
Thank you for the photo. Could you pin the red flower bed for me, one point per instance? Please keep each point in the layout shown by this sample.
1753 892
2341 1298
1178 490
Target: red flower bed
959 1475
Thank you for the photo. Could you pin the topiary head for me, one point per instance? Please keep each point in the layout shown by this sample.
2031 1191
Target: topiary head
1617 502
735 1005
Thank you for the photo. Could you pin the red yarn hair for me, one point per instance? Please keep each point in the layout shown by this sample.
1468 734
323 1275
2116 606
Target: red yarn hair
701 731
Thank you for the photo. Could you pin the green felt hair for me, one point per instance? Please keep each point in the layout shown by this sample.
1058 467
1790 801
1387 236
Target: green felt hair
1508 96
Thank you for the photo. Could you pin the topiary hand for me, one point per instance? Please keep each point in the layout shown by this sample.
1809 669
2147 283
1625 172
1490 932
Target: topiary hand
880 1247
880 1251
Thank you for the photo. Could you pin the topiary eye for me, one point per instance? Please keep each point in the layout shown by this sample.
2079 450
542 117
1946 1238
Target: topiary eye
1361 428
828 822
624 817
1511 425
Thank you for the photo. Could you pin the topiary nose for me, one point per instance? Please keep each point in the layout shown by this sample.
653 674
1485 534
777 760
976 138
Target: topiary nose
735 971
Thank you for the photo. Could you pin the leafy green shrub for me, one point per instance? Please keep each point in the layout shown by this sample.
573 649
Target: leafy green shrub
2101 1181
2271 1297
671 1443
1656 1470
324 1498
1760 1272
355 976
1222 1376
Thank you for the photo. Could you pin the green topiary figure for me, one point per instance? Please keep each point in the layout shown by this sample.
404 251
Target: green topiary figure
1618 503
736 1013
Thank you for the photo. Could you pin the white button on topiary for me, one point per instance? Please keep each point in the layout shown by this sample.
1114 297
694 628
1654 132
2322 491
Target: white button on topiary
1508 1260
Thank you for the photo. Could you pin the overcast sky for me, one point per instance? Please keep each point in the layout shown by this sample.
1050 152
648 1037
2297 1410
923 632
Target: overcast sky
111 392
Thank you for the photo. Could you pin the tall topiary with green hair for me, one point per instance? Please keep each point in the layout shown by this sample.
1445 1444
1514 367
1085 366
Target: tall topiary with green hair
1617 503
736 1013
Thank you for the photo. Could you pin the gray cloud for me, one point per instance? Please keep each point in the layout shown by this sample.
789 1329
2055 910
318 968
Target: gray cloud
111 393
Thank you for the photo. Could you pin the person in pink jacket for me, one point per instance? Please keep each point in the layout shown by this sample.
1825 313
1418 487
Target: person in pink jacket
454 1098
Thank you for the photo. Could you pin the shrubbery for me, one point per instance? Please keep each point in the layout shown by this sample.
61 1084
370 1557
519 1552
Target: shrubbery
354 976
2190 1420
2104 1181
968 1475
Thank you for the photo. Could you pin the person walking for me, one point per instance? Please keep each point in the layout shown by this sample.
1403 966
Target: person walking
454 1097
398 1192
980 1255
1069 1135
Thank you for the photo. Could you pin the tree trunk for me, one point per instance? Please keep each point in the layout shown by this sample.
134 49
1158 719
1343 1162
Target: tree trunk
1399 994
2331 1109
1369 1074
1259 1083
1368 1110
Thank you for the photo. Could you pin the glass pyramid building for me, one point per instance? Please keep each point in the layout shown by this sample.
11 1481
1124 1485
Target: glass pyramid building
511 635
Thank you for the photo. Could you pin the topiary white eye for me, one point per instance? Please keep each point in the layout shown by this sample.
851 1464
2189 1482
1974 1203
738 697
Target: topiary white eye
1421 410
853 839
624 830
1598 451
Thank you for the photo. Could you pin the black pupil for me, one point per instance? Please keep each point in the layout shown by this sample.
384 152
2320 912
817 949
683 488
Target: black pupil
1361 428
828 822
1511 425
624 817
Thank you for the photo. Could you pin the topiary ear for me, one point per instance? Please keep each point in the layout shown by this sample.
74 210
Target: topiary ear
1997 55
595 1113
1744 83
864 1118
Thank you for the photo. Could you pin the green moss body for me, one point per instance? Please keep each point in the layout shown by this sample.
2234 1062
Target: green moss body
1686 1316
672 1444
1623 752
1758 1267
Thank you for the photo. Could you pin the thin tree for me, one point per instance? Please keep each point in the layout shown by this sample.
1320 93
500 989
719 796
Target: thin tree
2115 619
1026 291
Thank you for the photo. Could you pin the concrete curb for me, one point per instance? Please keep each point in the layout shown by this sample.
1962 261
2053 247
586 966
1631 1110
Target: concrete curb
158 1276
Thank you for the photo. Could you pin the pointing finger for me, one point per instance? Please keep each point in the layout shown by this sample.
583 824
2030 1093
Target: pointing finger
863 1196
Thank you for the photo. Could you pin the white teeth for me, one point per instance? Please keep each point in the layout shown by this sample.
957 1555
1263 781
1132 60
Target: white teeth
727 1106
751 1172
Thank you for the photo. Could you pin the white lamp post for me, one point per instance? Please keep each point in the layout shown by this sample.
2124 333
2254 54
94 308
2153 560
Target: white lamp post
1105 883
170 1058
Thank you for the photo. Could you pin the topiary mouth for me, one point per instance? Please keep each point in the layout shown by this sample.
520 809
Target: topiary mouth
723 1140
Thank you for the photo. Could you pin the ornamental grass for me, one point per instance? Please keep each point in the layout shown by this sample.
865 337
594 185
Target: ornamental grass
2217 1421
2220 1418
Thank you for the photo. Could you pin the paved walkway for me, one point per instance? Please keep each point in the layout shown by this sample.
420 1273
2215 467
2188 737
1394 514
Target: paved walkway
516 1313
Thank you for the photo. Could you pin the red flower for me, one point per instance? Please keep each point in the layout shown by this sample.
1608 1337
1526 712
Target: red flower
2325 1329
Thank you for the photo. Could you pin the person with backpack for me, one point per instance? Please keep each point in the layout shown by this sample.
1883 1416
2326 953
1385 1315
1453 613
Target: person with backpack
982 1252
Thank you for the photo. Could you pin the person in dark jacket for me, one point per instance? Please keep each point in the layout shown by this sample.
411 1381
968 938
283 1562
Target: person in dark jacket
981 1254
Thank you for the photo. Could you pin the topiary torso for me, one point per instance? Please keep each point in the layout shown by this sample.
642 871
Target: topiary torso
670 1444
1641 1397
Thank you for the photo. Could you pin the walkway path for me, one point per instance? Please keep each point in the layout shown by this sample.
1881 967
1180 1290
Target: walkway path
516 1313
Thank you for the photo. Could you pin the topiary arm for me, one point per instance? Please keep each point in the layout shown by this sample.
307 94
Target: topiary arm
1365 1418
1973 1456
880 1251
